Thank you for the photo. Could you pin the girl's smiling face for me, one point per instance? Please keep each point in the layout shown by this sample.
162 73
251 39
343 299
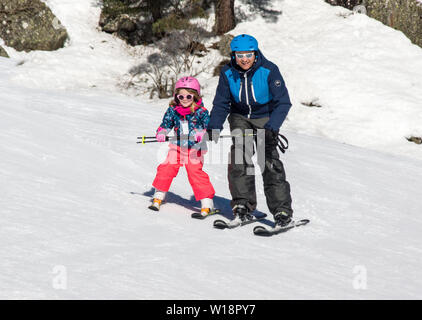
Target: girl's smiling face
183 96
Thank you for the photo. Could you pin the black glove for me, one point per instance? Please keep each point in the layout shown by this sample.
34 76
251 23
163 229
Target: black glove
213 135
271 137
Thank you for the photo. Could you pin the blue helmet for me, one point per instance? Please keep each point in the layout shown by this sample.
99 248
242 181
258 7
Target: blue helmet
244 42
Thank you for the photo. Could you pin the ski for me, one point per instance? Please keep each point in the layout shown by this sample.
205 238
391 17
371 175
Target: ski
198 215
265 232
153 208
221 224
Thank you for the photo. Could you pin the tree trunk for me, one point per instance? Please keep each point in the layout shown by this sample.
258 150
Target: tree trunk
155 7
224 16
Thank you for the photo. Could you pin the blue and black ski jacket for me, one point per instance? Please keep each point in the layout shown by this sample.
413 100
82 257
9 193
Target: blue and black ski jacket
256 93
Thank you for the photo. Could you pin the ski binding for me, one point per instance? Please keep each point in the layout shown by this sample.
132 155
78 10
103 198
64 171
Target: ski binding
265 232
221 224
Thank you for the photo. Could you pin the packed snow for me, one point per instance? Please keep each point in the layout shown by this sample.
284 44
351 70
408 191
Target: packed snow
75 186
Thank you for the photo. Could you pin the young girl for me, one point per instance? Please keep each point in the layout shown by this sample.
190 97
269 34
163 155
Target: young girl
189 119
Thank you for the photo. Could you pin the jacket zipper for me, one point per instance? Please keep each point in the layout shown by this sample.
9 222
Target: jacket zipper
246 93
253 92
240 92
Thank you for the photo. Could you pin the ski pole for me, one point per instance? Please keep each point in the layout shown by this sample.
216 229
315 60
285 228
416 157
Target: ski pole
145 139
149 139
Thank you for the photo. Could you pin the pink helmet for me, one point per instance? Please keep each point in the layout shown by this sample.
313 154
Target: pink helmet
188 83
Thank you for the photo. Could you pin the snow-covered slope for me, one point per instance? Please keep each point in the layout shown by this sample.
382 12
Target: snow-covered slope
74 185
75 188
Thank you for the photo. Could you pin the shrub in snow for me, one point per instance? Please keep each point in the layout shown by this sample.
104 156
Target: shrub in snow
217 69
154 68
127 21
313 103
417 140
177 56
349 4
224 45
141 22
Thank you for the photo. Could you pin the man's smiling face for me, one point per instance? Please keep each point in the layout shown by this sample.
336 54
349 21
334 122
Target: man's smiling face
245 59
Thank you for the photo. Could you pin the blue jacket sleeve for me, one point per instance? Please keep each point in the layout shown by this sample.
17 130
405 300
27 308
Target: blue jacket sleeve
221 103
281 101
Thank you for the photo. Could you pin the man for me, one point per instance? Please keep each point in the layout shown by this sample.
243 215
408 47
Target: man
252 92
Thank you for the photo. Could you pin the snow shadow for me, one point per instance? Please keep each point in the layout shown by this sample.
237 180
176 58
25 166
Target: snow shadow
226 210
262 8
194 206
191 204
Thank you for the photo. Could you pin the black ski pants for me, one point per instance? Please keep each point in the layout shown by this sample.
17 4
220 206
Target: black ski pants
241 170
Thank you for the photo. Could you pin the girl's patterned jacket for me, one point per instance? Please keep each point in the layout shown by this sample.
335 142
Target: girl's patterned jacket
196 122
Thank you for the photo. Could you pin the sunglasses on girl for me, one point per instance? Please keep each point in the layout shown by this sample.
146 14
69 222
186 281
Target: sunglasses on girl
187 97
242 55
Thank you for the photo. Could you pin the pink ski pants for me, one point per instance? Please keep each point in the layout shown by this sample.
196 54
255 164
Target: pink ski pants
193 161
